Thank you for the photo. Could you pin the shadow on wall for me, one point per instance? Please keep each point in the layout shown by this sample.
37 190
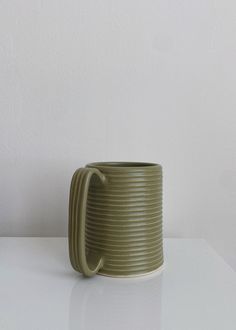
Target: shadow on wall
48 199
36 203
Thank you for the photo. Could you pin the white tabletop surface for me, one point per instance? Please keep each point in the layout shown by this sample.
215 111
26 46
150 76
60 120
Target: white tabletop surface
40 290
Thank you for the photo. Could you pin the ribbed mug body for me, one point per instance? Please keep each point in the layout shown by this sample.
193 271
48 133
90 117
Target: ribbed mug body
124 218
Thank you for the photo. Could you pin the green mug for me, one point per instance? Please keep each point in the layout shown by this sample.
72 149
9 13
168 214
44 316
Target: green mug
115 219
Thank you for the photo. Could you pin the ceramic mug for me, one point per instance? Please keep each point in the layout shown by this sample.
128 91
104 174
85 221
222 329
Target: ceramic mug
115 219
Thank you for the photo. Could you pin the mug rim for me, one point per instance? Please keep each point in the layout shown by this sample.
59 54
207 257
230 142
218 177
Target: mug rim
123 164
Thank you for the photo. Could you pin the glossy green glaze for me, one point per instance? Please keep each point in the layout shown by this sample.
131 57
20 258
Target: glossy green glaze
115 219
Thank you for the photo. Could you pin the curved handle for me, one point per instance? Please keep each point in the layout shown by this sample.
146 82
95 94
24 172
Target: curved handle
77 220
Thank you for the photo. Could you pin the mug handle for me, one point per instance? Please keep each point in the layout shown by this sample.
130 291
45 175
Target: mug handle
77 220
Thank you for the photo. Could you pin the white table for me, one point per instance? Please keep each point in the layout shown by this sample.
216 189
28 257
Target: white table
40 290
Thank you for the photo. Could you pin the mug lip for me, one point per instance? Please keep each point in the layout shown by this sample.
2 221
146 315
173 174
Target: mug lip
124 164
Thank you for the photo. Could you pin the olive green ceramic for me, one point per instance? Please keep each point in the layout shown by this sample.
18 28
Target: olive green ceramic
115 219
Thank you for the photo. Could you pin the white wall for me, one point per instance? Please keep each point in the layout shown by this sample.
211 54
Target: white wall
90 80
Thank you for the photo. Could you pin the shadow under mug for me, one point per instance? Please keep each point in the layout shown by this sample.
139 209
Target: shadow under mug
115 219
117 304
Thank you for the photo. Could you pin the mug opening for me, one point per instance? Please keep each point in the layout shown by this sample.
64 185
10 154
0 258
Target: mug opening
123 164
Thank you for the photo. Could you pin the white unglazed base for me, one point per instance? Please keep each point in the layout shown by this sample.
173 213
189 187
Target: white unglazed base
144 275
